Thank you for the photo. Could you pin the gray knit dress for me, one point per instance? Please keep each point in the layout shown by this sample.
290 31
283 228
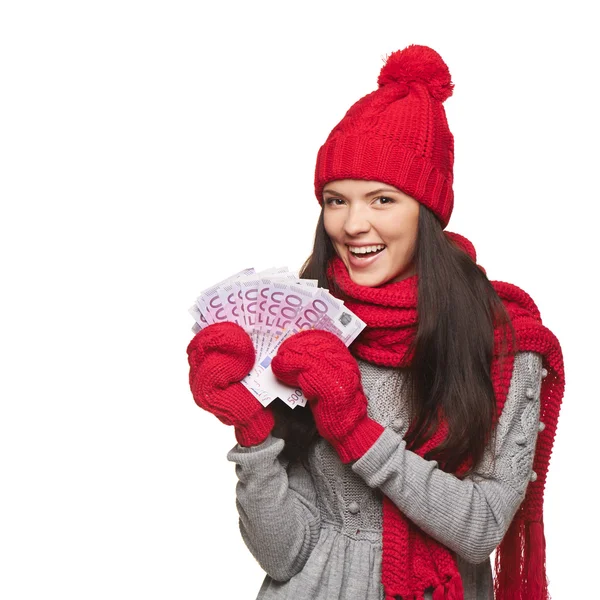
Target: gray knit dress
317 533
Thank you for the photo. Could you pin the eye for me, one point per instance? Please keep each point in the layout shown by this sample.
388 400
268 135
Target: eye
333 201
387 199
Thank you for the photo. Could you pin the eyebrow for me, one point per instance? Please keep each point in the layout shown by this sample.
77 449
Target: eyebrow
377 191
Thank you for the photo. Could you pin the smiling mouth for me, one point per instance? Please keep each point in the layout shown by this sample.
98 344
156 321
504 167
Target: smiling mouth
370 251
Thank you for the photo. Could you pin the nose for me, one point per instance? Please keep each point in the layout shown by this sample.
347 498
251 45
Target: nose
356 221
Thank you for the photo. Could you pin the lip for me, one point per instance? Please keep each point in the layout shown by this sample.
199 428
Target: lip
360 263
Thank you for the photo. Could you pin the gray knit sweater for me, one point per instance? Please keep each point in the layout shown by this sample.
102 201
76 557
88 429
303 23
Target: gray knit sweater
317 532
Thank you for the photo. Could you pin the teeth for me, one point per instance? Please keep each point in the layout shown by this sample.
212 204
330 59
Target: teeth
365 249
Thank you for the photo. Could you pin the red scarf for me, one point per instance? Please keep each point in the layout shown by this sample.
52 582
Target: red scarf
413 561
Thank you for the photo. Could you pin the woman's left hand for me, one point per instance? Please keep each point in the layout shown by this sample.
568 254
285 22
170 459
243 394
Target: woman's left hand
321 365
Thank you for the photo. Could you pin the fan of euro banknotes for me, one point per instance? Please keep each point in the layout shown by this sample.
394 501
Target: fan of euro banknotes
271 305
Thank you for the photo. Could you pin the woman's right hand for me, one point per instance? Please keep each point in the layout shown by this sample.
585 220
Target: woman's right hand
322 366
220 356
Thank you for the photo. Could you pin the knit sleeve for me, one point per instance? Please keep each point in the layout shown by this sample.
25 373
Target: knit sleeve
277 505
469 516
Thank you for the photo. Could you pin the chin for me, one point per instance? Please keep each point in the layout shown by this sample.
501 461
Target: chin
377 279
369 279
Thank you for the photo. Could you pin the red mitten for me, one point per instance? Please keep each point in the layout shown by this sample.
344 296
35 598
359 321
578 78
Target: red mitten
322 367
220 356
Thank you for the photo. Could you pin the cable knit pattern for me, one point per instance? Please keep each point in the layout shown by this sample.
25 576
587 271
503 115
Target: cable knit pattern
490 496
398 134
318 533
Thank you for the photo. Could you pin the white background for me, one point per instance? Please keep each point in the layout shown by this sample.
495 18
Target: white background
150 149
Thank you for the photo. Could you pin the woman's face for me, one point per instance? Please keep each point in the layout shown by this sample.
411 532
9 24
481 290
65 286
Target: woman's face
359 214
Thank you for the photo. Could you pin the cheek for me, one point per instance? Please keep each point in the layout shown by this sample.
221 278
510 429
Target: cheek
403 243
402 250
329 223
406 226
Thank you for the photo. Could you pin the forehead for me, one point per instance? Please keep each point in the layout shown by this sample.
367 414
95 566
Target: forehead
358 186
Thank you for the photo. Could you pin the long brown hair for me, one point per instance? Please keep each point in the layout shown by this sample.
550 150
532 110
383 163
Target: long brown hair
458 309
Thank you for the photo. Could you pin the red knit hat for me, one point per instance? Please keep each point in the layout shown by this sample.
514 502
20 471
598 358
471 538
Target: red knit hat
398 134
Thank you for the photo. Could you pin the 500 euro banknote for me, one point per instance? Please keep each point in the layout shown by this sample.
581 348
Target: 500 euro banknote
272 305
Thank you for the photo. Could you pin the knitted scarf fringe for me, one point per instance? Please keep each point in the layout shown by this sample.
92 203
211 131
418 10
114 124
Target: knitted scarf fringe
521 563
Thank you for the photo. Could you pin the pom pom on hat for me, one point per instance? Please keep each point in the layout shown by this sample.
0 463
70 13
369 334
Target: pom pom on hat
418 64
398 134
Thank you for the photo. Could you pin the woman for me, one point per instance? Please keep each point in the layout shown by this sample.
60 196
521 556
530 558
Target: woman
425 445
